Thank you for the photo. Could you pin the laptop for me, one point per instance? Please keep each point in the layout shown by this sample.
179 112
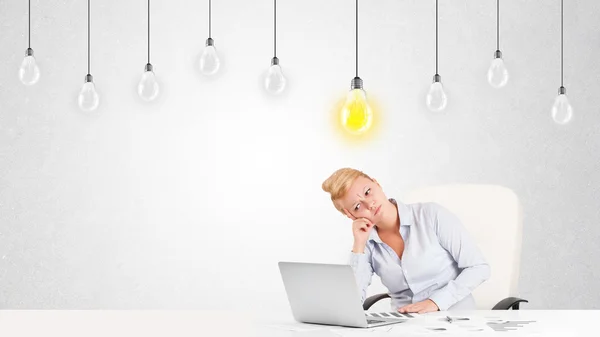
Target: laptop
327 294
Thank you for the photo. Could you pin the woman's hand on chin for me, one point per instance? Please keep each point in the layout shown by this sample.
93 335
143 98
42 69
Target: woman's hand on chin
420 307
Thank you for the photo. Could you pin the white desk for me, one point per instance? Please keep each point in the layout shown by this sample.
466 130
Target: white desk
115 323
260 324
552 323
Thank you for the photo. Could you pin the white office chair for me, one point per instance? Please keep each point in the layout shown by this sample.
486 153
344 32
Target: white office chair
492 215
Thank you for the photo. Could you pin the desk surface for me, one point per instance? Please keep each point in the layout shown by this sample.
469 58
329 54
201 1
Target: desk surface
92 323
496 323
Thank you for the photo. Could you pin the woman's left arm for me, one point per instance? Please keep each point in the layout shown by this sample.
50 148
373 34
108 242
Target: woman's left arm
456 240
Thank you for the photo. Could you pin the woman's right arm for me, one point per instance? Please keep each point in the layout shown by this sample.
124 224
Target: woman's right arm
360 258
363 271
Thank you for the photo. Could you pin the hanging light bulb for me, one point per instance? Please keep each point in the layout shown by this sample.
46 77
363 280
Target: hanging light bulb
209 60
356 115
562 112
148 88
436 99
274 80
88 97
29 72
497 74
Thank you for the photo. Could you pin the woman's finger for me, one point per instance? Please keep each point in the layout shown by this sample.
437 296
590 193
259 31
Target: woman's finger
349 215
406 309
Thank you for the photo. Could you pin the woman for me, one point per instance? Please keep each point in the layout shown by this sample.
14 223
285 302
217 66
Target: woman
421 251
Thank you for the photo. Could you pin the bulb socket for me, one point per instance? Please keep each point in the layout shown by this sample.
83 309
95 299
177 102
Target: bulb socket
498 54
562 90
89 78
274 61
29 52
148 67
437 78
357 83
210 42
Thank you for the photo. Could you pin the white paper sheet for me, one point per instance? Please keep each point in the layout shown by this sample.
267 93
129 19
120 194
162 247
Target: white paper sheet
424 326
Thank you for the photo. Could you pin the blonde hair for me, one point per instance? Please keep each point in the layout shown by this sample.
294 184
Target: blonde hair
339 182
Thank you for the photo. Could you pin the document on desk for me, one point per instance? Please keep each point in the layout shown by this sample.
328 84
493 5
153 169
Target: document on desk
412 330
425 326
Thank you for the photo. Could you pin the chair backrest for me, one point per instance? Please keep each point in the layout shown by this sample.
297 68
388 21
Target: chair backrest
492 215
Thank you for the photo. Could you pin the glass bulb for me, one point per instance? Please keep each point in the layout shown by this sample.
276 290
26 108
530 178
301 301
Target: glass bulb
148 88
209 61
497 74
275 81
29 72
562 112
88 97
356 116
436 97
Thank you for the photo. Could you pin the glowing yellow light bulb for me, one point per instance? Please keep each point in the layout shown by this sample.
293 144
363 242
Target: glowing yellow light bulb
357 116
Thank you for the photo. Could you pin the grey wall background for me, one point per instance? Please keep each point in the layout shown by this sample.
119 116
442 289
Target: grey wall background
190 202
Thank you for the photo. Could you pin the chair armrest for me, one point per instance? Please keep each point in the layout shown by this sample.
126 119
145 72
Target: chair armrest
508 303
373 299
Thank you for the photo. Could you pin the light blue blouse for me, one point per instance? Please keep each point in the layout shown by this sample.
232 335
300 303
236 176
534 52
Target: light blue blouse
440 261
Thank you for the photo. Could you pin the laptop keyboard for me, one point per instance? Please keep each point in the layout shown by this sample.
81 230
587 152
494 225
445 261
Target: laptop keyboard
373 321
390 315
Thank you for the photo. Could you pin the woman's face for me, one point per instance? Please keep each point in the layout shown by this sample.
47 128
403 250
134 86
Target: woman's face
365 199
